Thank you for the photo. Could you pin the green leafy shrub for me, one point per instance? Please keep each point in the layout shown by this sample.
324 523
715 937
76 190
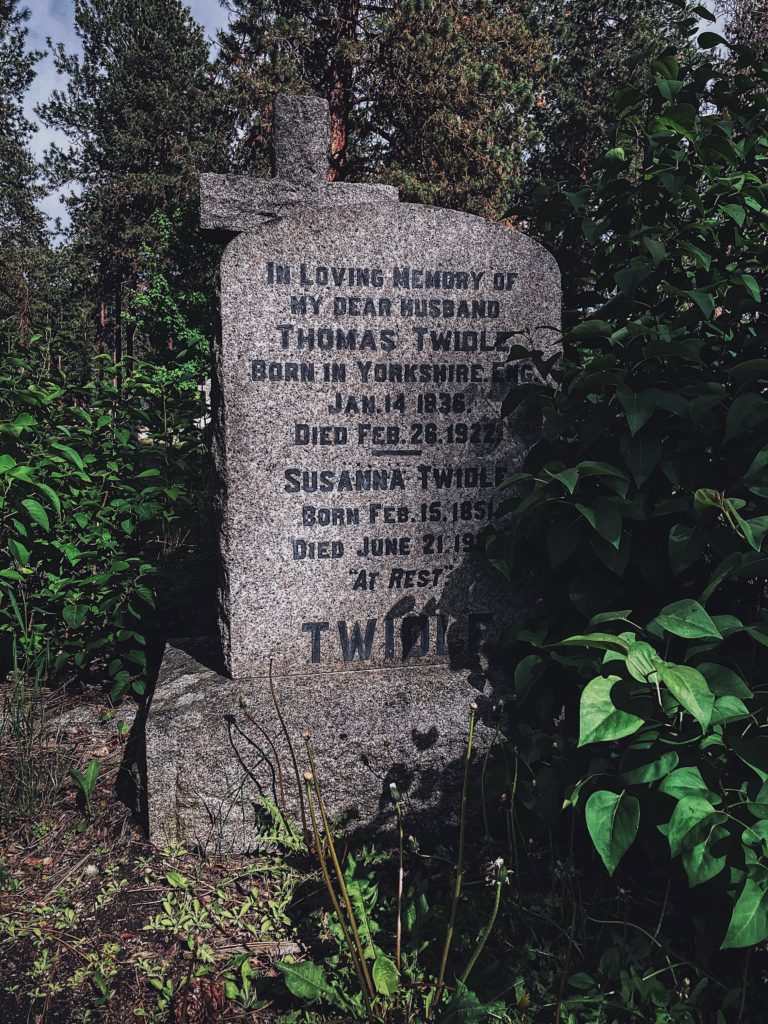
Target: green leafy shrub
641 515
164 316
98 484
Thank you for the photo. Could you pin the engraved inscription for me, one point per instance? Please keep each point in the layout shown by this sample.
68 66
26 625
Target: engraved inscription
385 545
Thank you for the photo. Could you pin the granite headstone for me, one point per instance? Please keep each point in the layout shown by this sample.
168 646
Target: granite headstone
361 368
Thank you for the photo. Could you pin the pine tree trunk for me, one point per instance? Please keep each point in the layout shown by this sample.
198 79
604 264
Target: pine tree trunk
118 337
340 95
23 306
118 325
101 321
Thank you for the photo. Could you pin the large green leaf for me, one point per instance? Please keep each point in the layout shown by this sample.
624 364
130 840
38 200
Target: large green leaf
19 551
605 518
756 834
758 468
749 370
754 530
599 719
685 782
641 454
729 709
685 547
692 816
723 681
709 40
745 413
527 672
74 457
604 469
643 663
624 98
749 921
74 615
638 406
590 329
466 1008
563 539
702 258
688 619
22 422
645 767
628 279
385 975
567 477
728 567
752 750
306 980
37 513
616 557
613 820
688 686
50 493
699 862
599 641
617 616
737 213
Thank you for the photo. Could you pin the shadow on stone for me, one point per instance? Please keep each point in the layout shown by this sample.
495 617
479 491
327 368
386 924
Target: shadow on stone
209 769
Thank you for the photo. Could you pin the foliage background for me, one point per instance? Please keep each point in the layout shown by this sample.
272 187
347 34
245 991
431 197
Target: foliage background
653 484
639 158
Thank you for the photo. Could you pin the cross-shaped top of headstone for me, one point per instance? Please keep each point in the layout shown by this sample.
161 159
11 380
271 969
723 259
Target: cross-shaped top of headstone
301 137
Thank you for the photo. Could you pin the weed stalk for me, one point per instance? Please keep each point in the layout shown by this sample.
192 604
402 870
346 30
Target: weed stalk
278 765
318 840
337 868
397 801
30 776
511 817
500 876
292 752
486 760
459 865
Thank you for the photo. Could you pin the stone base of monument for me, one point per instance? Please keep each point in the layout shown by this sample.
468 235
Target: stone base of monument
210 768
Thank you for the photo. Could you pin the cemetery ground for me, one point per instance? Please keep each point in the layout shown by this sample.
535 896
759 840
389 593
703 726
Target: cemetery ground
97 925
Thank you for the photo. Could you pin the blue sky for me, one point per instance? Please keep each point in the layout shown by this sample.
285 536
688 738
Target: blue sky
54 18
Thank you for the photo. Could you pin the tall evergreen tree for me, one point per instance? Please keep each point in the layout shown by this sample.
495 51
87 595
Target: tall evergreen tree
432 95
746 22
598 46
450 97
297 46
21 223
139 110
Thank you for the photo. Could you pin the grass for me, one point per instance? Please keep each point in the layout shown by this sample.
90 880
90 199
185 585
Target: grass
34 763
